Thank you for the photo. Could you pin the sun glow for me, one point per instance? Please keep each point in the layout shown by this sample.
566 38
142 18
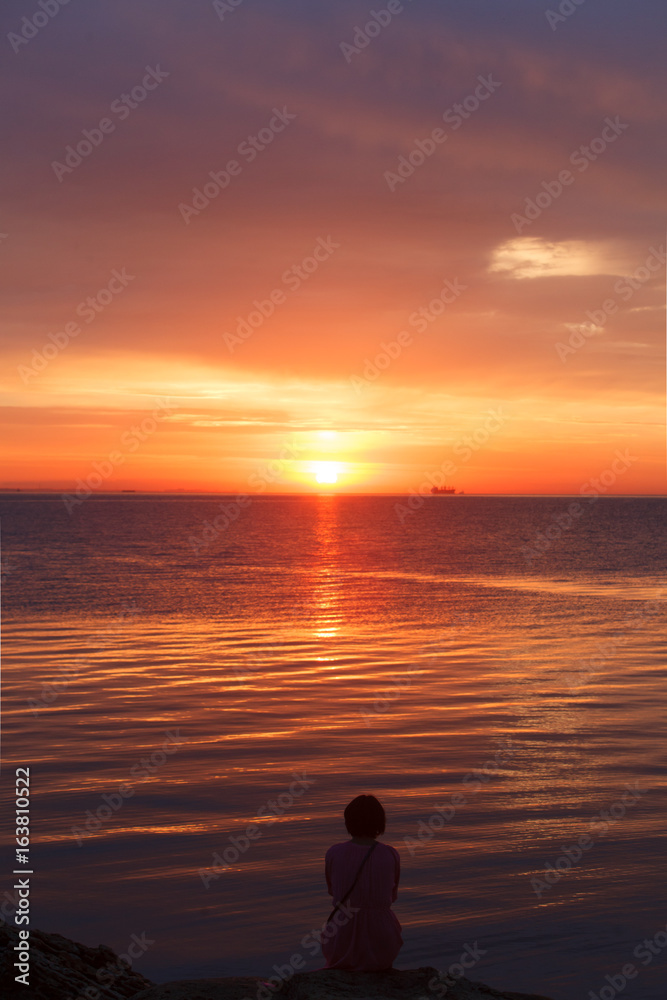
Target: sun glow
326 472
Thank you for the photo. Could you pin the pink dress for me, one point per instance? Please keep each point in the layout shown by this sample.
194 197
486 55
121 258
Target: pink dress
369 940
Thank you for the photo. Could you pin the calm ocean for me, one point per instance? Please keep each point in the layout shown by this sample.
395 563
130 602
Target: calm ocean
503 703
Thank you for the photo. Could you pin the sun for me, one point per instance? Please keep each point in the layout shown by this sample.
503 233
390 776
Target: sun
326 472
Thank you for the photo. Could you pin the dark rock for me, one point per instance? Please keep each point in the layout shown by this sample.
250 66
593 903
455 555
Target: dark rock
333 984
61 969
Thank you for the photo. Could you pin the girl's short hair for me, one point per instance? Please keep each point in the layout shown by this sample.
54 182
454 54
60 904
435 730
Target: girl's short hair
365 817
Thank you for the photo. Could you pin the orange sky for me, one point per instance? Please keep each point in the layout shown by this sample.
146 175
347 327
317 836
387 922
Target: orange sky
515 349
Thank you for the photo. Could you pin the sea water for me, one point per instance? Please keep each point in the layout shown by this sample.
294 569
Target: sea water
491 668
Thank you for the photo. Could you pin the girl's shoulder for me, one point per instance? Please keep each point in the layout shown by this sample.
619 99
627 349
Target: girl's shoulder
336 848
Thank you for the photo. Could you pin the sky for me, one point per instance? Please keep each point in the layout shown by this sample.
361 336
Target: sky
251 246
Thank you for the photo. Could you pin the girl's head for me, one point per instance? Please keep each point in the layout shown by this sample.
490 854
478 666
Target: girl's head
364 817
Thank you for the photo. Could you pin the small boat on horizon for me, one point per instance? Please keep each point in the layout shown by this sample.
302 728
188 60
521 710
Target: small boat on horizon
445 490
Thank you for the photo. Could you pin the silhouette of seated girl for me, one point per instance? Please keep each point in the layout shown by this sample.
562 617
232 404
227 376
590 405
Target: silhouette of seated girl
364 935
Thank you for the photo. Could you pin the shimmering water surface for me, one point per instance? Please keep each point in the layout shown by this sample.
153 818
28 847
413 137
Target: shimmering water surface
323 636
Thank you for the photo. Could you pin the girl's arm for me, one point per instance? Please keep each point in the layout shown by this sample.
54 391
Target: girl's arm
327 872
397 875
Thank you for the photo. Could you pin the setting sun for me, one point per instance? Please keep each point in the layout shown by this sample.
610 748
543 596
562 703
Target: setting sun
326 472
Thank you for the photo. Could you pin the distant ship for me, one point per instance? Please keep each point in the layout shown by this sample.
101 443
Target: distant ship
448 490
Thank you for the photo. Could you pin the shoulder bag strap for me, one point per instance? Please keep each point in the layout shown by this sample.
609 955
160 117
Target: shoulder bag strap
368 854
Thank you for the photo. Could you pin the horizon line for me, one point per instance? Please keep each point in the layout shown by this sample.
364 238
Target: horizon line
203 493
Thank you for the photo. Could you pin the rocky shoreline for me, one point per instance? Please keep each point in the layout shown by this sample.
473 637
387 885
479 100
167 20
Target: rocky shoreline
61 969
409 984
